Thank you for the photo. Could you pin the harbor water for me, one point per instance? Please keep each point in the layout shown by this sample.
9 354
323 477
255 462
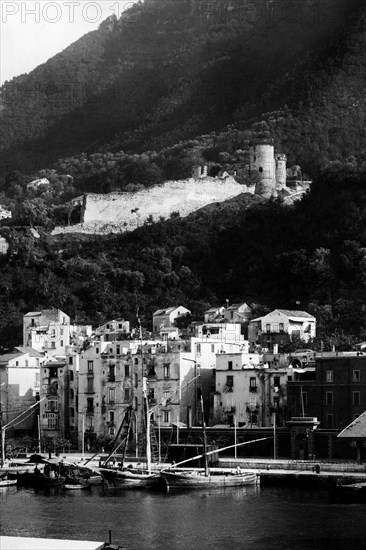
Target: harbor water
251 518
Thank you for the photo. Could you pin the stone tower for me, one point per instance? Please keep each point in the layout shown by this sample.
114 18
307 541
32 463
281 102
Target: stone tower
262 162
281 161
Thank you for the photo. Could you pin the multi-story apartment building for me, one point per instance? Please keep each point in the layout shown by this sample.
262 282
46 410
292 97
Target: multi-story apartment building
19 387
249 391
113 330
50 331
334 390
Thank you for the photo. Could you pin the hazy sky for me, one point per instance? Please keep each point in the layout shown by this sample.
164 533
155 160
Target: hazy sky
34 31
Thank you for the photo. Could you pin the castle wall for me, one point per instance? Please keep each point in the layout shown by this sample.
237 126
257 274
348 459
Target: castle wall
118 212
281 170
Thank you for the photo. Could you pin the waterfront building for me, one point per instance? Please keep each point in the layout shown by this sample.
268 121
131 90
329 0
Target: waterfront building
333 390
53 396
250 391
112 377
20 387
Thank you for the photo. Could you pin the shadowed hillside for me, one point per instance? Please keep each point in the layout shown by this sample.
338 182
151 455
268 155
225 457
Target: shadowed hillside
166 70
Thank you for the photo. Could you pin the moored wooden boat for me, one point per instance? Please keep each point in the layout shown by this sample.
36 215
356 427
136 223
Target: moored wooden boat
199 479
7 482
130 478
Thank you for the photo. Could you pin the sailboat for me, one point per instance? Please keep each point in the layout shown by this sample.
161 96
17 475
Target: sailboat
131 477
207 478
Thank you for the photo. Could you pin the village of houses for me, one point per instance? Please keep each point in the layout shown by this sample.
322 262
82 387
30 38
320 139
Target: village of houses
77 381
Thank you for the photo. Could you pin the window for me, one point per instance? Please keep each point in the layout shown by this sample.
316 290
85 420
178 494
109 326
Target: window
51 421
230 381
112 373
329 398
118 350
151 395
276 381
127 394
268 328
136 380
96 350
136 361
281 327
356 375
90 366
112 431
329 376
166 417
166 370
230 365
52 405
198 348
231 315
112 395
212 348
72 394
61 343
90 422
37 378
53 372
119 325
356 398
90 385
111 417
329 421
252 383
72 412
71 374
127 370
26 363
90 405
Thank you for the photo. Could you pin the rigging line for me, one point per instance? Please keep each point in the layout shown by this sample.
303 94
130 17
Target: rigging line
21 414
20 421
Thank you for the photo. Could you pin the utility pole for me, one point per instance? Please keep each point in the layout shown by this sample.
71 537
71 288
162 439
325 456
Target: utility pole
1 433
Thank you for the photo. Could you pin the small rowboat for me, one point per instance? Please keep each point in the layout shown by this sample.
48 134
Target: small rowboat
73 486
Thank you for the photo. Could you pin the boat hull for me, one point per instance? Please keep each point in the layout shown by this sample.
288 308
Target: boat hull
7 482
198 480
130 479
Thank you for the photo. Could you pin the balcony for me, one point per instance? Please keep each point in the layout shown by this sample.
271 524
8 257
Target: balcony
111 378
253 389
90 411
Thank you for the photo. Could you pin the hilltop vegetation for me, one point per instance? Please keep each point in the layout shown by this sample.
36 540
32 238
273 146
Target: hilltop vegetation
274 256
166 70
144 110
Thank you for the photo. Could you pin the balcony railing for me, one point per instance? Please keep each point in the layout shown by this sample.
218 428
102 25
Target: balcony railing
253 389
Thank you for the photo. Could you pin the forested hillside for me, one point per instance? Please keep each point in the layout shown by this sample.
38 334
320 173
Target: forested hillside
273 256
166 70
169 85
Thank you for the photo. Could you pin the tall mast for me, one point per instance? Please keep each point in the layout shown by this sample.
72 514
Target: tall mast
145 407
204 439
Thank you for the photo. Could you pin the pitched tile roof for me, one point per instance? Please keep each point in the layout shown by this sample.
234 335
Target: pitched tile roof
295 313
357 429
